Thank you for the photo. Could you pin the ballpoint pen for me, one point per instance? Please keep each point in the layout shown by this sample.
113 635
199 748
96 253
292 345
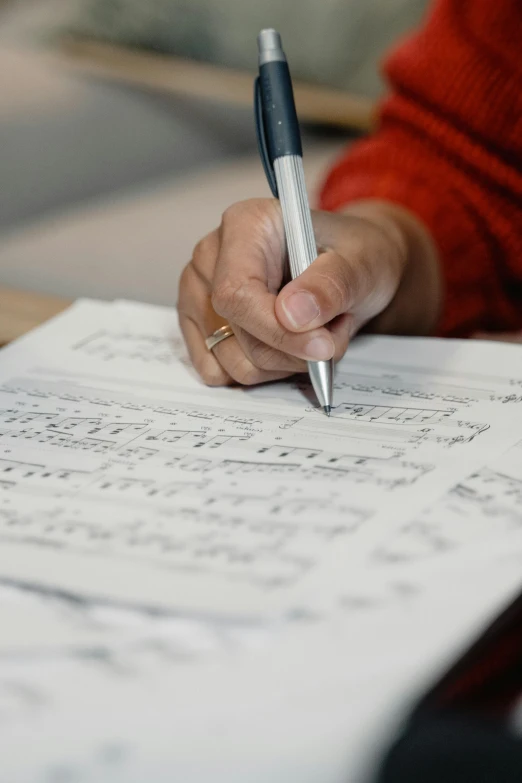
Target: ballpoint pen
281 153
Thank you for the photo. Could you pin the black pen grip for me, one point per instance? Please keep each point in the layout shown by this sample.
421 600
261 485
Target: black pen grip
280 117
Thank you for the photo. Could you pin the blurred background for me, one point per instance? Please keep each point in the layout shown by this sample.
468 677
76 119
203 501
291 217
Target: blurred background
126 126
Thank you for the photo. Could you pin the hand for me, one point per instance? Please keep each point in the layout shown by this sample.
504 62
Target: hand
376 260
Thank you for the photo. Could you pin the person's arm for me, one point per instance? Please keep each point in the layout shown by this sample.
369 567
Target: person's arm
427 236
448 153
416 305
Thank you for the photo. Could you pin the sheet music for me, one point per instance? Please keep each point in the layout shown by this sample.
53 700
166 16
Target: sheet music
290 709
482 512
487 504
40 623
139 509
114 460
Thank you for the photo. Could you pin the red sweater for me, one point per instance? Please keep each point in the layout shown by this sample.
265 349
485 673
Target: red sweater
449 149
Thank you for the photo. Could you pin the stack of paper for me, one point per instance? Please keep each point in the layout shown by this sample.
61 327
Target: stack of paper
223 584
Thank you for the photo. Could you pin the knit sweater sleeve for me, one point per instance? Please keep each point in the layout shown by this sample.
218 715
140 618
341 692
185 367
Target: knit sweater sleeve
449 148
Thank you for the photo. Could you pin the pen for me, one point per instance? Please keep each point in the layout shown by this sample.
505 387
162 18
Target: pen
281 153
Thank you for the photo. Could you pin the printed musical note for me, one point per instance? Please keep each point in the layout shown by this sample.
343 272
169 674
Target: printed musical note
149 528
105 467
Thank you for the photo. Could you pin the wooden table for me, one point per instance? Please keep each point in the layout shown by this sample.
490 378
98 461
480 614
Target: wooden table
21 311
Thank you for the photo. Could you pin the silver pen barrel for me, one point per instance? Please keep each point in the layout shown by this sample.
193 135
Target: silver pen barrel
302 251
285 152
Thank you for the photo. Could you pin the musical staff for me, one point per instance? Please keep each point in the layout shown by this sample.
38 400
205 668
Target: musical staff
107 346
487 504
252 488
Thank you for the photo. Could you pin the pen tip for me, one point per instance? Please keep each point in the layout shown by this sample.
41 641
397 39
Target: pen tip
327 409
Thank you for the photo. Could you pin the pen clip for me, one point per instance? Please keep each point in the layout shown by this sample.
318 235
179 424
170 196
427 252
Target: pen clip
261 139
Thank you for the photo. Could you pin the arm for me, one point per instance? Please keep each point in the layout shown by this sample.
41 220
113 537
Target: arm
427 236
445 160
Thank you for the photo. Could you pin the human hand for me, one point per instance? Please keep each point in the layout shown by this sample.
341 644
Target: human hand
365 272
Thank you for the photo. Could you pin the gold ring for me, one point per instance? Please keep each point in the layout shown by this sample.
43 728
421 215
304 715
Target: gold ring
220 334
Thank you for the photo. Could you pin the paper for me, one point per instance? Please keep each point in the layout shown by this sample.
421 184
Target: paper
486 505
123 478
318 703
224 585
480 513
40 624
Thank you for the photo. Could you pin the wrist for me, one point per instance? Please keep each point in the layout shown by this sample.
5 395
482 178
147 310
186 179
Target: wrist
415 308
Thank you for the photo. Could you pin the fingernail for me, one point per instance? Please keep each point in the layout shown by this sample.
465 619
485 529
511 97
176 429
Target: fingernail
320 349
300 308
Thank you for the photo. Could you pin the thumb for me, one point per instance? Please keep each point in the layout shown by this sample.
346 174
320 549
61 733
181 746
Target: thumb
333 285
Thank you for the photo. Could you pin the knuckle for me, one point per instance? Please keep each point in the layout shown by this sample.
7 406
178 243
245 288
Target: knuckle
229 301
204 249
186 274
240 208
278 338
260 216
263 356
215 379
184 286
334 290
234 212
211 373
223 299
245 373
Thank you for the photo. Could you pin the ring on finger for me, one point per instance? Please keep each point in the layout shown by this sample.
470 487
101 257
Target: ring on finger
218 336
